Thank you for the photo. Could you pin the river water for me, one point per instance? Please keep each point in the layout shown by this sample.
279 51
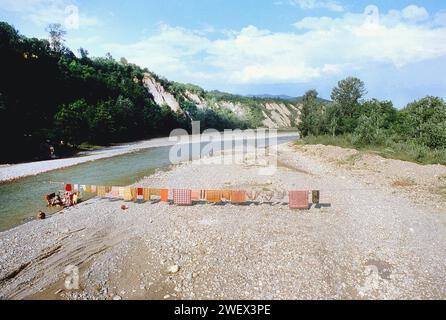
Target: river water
20 200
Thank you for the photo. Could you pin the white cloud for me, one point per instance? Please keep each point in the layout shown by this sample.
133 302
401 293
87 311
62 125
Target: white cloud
415 13
44 12
319 47
314 23
171 50
318 4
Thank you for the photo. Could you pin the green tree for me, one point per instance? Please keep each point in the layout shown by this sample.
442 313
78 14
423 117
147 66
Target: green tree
346 98
311 116
84 54
57 37
383 113
71 122
366 132
123 117
9 37
101 123
332 119
425 121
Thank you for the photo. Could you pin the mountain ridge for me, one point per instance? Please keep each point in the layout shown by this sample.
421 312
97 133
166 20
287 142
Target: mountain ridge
268 111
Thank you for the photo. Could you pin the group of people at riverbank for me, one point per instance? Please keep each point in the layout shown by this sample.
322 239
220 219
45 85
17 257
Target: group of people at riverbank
62 199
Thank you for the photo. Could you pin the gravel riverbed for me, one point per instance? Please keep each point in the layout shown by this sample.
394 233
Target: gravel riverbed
371 238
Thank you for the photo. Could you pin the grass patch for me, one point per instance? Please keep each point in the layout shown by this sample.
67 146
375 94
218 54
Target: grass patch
406 151
287 130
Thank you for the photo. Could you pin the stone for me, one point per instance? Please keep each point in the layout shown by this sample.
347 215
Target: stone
173 269
117 298
41 215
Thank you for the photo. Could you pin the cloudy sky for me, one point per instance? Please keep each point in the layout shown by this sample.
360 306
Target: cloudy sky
260 46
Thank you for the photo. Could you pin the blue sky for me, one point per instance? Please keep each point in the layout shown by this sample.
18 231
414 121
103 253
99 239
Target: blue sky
260 46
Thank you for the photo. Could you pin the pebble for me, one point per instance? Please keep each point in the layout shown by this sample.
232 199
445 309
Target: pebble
117 298
173 269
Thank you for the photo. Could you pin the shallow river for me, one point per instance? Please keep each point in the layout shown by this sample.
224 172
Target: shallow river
22 199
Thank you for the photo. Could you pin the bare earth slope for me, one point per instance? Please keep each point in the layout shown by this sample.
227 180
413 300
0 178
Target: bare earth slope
379 238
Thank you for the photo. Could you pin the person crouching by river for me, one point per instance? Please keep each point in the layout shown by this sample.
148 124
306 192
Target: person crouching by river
71 198
74 197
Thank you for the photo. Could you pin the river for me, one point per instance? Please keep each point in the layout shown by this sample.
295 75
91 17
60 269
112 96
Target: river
21 199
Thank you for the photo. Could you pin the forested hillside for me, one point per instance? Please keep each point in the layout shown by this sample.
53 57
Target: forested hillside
47 93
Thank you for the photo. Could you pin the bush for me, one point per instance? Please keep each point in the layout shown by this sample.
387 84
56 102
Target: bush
366 133
425 121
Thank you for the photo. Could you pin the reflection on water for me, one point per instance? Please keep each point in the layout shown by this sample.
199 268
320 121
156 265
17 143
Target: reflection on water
22 199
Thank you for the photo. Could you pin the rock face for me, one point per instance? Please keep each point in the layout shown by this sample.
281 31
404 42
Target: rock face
281 115
160 95
193 97
276 113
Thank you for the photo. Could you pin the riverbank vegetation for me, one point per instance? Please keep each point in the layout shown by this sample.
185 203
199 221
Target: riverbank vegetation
415 133
47 93
51 97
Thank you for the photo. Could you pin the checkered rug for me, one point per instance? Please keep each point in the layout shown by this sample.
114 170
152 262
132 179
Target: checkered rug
182 197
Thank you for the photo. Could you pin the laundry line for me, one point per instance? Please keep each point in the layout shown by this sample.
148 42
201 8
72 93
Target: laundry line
254 188
297 199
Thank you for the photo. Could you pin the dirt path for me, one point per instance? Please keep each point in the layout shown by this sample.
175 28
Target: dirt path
374 238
